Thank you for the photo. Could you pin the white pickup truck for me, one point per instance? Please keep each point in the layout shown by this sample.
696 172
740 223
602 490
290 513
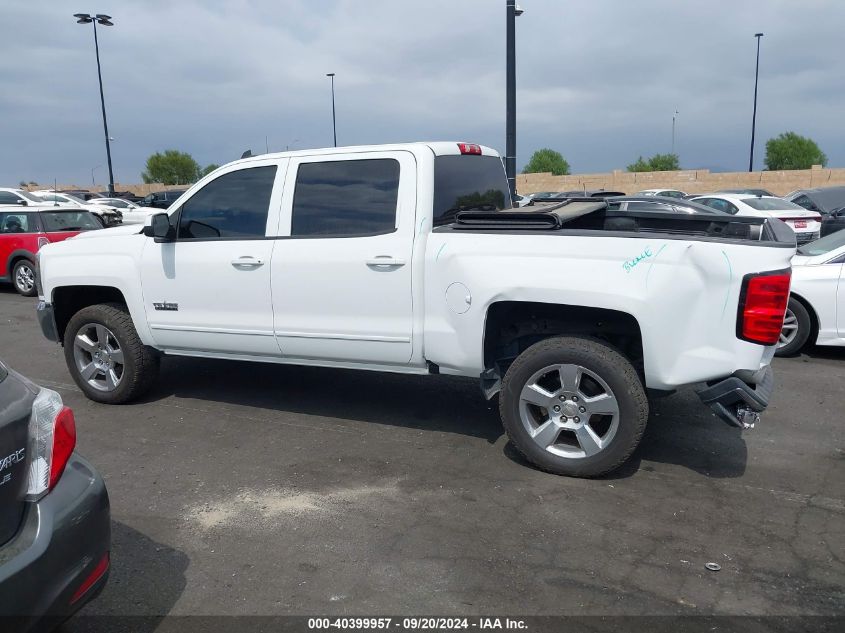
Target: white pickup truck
409 258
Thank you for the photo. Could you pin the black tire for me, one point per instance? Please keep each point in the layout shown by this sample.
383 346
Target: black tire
805 328
26 268
606 363
140 363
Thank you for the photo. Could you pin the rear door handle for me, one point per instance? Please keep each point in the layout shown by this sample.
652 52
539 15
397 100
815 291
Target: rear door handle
385 261
247 262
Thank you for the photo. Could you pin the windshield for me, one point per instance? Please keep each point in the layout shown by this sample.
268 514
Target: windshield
55 221
462 183
772 204
824 245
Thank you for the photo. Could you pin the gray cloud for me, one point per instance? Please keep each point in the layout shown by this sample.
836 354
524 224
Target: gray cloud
597 80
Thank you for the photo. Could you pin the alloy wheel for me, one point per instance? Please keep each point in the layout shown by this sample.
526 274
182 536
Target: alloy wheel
789 330
569 411
98 356
25 278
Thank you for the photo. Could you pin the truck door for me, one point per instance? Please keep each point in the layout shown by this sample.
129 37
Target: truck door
341 276
208 290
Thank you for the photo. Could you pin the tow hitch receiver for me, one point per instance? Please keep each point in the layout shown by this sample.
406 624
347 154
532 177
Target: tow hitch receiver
737 402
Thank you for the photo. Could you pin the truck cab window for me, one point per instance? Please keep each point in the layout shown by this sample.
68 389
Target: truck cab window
233 206
345 198
468 182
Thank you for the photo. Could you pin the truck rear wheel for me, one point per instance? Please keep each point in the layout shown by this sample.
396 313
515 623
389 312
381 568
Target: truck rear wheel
573 406
105 356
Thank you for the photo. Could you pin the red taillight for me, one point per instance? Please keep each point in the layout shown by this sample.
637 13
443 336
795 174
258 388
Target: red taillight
470 148
64 441
762 305
97 573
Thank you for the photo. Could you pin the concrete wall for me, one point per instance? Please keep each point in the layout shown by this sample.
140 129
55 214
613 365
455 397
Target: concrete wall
138 190
690 181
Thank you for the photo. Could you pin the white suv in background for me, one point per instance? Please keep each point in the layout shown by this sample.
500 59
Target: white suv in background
806 224
17 197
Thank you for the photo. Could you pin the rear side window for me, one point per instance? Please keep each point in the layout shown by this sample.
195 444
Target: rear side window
57 221
462 183
233 206
345 198
16 223
720 205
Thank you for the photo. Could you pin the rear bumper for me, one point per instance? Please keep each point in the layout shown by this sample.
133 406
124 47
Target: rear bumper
63 539
47 321
739 401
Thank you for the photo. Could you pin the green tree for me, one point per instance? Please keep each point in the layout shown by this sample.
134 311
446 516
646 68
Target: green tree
208 169
547 160
792 151
171 167
658 162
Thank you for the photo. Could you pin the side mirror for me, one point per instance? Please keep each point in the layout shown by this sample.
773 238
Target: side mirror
159 228
23 203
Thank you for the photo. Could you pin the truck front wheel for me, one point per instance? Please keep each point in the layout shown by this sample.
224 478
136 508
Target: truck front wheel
105 356
573 406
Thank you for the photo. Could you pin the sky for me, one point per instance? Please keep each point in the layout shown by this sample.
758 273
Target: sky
597 80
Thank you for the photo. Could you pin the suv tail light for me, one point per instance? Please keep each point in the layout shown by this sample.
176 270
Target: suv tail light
52 438
762 304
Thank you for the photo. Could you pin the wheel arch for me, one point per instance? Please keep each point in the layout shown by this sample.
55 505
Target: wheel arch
511 327
68 300
814 318
15 257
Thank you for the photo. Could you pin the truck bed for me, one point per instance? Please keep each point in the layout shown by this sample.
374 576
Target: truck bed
590 216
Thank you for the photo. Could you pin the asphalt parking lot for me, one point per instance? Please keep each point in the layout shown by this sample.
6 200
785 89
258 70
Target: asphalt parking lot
257 489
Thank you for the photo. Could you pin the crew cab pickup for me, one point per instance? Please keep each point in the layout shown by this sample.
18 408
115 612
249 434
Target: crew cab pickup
410 258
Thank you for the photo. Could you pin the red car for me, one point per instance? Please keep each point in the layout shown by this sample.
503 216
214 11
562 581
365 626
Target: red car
23 230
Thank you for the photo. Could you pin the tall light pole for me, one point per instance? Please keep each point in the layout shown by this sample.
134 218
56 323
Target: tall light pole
512 11
673 130
754 116
105 20
334 121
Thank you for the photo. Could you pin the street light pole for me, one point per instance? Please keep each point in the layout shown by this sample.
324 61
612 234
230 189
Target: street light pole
754 116
510 99
105 20
673 130
334 121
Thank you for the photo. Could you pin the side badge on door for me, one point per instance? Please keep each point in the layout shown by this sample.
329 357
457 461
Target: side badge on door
170 307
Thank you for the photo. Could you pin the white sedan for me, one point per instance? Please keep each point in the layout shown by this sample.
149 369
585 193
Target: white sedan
132 213
665 193
806 224
816 309
109 215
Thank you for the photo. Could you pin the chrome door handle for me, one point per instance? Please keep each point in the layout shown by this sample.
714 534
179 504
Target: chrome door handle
385 261
247 262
